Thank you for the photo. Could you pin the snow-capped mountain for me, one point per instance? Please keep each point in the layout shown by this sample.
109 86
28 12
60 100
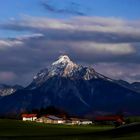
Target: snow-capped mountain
76 89
6 90
64 67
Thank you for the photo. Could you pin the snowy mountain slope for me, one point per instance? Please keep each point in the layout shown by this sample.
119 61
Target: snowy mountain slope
6 90
64 67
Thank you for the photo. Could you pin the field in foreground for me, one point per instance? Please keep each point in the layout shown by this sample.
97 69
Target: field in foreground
18 130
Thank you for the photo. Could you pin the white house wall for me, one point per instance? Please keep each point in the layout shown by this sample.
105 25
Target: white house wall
29 119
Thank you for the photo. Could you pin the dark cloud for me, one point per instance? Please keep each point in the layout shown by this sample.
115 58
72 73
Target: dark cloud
95 29
111 45
70 10
128 71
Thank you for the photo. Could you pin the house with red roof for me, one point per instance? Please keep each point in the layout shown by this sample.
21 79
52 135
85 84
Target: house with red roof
114 118
29 117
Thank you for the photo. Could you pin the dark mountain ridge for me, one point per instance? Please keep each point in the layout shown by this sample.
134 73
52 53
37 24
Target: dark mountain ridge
6 90
76 89
133 86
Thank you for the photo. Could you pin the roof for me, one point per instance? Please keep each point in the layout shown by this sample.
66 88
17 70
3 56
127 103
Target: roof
75 119
29 115
53 117
85 120
109 118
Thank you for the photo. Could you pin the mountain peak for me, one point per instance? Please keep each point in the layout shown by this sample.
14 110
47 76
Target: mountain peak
62 59
63 66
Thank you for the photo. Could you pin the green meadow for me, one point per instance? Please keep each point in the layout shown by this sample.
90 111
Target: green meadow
18 130
132 119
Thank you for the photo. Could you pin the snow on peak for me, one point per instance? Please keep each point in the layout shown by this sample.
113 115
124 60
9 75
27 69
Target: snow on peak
62 59
63 66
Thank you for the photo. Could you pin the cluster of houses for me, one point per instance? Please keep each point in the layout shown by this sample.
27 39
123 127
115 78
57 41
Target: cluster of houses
52 119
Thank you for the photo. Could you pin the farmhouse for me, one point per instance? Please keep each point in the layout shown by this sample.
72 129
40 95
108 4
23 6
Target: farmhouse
50 119
85 122
78 121
114 119
75 121
29 117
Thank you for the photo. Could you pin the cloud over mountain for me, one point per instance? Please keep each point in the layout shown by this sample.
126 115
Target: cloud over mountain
91 40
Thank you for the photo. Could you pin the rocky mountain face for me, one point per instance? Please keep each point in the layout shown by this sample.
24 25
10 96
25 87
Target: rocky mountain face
65 68
6 90
76 89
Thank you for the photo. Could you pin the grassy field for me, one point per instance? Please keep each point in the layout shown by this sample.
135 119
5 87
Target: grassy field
18 130
132 119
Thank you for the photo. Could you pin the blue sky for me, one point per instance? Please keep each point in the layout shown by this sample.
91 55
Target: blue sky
112 8
102 33
127 9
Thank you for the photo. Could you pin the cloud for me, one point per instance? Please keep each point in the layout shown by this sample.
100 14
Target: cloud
53 9
111 44
24 37
129 72
108 48
9 43
95 29
7 76
18 41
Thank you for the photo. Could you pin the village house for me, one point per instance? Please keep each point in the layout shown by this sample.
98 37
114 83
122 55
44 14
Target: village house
116 119
78 121
29 117
85 122
75 121
51 119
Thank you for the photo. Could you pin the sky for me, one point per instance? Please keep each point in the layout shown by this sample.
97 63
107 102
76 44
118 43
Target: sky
104 34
